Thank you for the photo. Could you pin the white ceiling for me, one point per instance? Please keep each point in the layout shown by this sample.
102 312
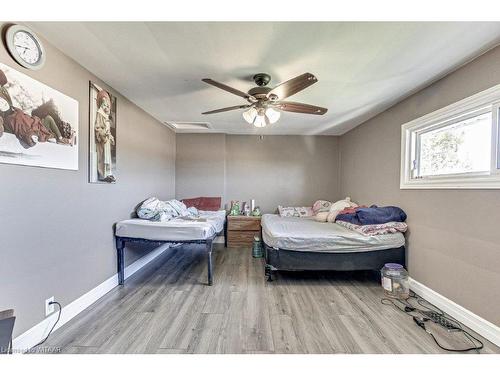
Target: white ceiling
362 68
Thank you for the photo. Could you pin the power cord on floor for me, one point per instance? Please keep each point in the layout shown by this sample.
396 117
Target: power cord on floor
433 313
53 326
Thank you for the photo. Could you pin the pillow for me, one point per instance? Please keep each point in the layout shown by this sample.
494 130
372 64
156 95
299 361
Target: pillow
321 206
304 211
204 203
295 211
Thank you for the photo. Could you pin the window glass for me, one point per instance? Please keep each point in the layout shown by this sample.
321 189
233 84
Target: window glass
461 147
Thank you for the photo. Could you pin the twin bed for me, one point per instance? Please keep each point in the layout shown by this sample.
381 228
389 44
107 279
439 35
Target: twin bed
178 230
291 243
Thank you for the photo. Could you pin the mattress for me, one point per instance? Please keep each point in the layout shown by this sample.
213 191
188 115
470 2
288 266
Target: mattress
177 229
306 234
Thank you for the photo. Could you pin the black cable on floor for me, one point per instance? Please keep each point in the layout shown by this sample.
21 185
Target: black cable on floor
53 326
406 307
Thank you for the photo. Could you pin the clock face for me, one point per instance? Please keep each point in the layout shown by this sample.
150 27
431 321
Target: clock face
27 47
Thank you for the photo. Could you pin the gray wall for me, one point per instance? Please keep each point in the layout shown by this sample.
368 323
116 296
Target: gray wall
454 240
286 170
200 165
56 228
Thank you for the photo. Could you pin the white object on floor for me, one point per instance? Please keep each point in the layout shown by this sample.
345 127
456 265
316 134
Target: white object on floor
306 234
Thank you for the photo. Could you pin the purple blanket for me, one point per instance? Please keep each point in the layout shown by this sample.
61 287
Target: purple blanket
374 215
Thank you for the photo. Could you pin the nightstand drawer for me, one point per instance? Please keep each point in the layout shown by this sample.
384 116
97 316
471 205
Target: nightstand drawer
241 238
248 224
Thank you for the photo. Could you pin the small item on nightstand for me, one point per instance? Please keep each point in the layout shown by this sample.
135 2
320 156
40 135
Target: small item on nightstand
235 208
256 211
257 248
395 281
246 209
252 205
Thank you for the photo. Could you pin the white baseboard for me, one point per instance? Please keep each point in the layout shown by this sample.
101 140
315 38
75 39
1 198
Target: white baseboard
34 335
485 328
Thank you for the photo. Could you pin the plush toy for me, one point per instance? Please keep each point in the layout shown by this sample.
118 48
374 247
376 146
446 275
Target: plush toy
321 206
339 206
321 216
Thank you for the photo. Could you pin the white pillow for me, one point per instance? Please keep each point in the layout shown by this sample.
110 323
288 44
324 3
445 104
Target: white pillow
295 211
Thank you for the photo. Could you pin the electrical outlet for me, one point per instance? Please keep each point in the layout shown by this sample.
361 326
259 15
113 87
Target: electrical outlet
49 308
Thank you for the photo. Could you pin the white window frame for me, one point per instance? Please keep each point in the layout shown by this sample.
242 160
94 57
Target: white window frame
482 102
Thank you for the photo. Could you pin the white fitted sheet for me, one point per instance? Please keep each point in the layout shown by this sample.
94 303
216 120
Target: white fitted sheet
173 230
306 234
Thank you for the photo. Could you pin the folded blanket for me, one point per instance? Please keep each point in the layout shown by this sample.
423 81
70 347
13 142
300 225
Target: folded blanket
373 215
375 229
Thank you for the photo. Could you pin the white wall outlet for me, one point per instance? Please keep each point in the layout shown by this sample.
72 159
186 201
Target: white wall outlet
49 308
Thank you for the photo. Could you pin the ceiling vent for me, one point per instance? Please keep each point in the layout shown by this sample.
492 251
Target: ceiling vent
188 126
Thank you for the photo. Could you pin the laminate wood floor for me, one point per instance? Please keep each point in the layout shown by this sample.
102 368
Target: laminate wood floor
167 308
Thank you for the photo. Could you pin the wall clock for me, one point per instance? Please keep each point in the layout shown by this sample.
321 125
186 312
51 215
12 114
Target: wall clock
25 47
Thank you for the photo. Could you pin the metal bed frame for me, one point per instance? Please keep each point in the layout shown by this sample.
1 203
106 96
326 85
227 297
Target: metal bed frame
278 259
122 241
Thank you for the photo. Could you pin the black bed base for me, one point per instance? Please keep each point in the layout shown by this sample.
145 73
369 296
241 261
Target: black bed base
122 241
292 260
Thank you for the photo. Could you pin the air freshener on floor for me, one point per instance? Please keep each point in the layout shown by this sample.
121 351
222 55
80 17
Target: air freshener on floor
395 281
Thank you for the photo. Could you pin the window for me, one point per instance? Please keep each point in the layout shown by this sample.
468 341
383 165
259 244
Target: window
454 147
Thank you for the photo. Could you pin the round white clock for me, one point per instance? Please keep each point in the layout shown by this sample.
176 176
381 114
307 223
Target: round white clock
25 47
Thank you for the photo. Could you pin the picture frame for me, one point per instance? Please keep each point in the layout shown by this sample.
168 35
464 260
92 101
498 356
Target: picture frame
102 135
38 124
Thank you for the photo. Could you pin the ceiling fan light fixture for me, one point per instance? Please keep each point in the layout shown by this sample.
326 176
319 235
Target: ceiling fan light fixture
250 115
265 104
260 121
272 115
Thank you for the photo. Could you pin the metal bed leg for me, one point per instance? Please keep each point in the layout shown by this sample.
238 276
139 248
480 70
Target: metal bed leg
209 261
269 273
120 245
225 233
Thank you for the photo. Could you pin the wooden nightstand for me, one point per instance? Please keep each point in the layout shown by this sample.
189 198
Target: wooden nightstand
241 230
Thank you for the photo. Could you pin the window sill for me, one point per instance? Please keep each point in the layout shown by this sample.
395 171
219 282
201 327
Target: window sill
484 182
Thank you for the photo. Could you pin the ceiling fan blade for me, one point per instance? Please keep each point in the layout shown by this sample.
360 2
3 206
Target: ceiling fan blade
292 86
228 88
227 109
300 108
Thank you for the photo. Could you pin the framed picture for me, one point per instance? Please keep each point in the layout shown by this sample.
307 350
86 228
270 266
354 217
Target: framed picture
102 135
38 125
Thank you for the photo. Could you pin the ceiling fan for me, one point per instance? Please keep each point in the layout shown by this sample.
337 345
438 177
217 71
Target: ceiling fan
266 102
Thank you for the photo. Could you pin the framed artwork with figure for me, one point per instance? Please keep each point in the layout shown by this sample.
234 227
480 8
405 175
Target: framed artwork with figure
102 138
38 124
